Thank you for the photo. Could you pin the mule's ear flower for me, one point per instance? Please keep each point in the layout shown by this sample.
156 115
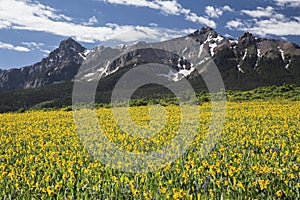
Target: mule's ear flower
279 193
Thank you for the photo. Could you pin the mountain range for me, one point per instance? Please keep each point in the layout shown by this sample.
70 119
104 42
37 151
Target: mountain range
244 64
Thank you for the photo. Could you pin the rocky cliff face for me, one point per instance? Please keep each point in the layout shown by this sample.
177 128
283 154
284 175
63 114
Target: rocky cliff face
61 65
250 61
245 63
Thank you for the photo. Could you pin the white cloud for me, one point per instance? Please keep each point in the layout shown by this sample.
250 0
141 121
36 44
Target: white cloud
12 47
46 51
185 11
217 12
4 24
167 7
203 20
260 12
33 45
234 24
266 21
153 24
290 3
138 3
189 31
93 20
33 16
213 12
227 8
272 26
228 36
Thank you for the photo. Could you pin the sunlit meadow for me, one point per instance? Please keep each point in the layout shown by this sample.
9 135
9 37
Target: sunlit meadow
256 157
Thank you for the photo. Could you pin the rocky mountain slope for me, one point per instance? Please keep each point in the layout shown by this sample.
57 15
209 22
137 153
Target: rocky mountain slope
250 61
61 65
245 63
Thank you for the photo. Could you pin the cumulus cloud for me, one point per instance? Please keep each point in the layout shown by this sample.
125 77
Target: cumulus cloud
12 47
33 16
46 52
213 12
260 12
290 3
153 24
33 45
275 25
228 35
266 21
234 24
227 8
167 7
93 20
217 12
4 24
203 20
138 3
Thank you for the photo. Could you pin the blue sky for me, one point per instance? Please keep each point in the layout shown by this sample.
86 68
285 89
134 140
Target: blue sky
30 29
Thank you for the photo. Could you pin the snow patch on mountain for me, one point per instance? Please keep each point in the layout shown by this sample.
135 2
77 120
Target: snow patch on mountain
258 57
101 69
86 52
245 54
213 42
186 72
288 64
184 50
212 47
177 76
281 52
240 69
200 50
89 75
219 38
82 56
113 71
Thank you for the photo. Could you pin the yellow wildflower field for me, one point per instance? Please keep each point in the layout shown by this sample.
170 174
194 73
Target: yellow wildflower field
256 157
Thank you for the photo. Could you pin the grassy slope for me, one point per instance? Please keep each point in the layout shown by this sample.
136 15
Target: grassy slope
59 96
